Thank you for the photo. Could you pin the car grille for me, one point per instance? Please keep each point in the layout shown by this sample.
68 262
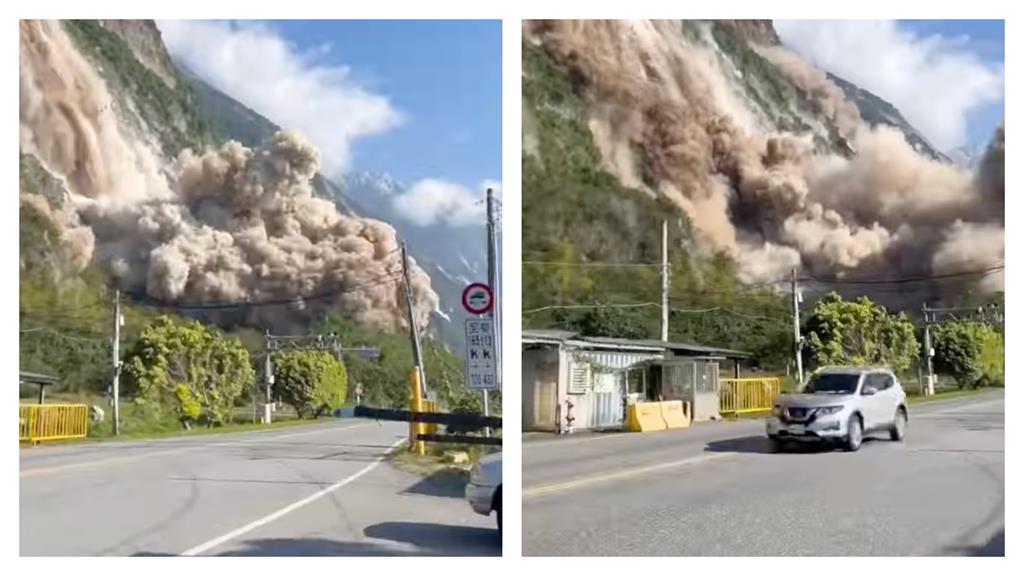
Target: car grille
797 413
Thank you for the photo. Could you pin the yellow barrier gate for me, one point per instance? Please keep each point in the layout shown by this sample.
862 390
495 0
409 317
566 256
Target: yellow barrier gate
42 422
740 395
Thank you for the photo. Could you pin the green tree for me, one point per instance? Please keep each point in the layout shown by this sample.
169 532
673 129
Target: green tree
971 352
860 332
187 364
610 322
311 381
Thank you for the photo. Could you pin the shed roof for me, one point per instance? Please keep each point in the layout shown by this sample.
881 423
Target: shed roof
35 378
567 337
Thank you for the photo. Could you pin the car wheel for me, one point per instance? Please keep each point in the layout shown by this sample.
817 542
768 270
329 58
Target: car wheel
854 434
899 426
497 508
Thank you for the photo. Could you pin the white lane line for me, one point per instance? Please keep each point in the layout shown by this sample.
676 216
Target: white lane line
581 482
120 459
205 546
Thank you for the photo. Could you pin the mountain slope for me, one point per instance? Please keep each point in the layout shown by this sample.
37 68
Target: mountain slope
759 162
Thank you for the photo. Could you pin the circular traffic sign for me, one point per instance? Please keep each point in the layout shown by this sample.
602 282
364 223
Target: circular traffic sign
477 298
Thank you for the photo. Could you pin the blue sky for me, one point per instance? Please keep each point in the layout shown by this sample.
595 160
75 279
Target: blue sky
444 76
985 39
416 99
945 76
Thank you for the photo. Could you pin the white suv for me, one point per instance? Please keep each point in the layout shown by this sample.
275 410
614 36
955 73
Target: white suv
840 404
484 488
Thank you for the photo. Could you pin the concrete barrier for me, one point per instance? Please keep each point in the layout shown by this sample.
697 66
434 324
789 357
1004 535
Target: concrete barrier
674 415
645 417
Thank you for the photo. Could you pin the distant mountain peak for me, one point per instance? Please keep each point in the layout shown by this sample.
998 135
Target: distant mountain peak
382 182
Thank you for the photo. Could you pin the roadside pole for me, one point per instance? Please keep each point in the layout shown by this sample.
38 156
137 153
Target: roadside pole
664 281
417 378
116 358
797 341
492 281
929 387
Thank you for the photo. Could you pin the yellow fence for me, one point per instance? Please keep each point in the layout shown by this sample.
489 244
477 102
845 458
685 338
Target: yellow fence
740 395
42 422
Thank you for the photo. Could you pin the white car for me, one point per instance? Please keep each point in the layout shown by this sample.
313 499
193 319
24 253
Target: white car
484 488
840 404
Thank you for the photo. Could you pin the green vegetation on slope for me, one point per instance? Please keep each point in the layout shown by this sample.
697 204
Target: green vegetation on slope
169 112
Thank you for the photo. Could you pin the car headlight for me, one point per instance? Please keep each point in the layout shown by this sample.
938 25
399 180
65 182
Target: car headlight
827 410
476 474
776 410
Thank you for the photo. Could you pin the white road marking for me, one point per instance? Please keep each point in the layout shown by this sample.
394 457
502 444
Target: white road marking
209 545
596 478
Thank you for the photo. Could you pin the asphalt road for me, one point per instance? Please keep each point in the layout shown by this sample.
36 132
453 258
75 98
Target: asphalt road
716 490
321 490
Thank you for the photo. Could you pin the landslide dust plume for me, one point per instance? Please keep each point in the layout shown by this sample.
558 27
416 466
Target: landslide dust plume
223 225
775 200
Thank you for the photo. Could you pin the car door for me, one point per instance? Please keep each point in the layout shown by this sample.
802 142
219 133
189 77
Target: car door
872 406
888 398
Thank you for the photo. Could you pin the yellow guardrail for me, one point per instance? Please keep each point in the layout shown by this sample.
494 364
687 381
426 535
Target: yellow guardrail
42 422
740 395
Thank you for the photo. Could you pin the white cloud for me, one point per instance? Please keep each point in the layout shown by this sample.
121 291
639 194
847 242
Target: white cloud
433 201
933 80
261 69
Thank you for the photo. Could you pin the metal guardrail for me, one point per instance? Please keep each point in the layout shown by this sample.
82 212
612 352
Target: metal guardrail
740 395
42 422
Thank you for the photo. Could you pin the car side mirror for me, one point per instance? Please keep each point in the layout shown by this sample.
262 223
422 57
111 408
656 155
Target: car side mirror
868 391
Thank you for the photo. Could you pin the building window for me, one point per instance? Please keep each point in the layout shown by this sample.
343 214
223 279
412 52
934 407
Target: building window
580 379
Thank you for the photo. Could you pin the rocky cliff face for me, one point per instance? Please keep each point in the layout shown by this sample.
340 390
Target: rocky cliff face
144 40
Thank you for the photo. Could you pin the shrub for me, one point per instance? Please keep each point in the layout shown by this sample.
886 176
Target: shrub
312 382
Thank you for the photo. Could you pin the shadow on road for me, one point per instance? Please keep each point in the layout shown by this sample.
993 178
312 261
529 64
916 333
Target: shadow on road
444 483
761 445
309 547
996 546
440 538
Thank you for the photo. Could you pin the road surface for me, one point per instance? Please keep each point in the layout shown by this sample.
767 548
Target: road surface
716 490
322 490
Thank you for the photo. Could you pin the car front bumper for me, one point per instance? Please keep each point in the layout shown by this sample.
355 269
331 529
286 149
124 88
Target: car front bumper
831 427
480 498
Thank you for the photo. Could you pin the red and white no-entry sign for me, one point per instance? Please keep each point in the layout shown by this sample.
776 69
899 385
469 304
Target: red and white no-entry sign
477 298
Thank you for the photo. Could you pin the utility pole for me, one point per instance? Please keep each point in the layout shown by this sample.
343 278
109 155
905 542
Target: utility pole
418 380
929 388
492 281
116 357
268 379
664 280
797 340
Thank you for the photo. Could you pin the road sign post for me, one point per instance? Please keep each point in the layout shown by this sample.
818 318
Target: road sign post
481 363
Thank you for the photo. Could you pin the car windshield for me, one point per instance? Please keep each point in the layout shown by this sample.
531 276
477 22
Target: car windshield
832 384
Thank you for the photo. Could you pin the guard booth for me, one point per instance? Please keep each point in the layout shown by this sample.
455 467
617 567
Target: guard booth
692 380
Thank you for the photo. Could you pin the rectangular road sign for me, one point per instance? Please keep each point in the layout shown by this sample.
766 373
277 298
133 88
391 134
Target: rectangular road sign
481 364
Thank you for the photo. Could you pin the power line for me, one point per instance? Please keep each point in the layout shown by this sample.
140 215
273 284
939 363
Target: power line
592 264
58 334
145 300
589 306
907 279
